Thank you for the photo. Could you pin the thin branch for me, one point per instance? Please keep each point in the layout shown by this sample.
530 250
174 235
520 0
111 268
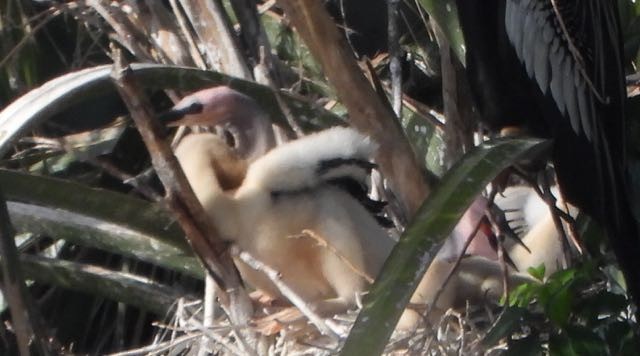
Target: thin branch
209 311
551 202
366 111
456 265
210 24
156 348
293 297
126 33
456 96
201 234
26 322
52 13
254 38
193 47
395 66
61 144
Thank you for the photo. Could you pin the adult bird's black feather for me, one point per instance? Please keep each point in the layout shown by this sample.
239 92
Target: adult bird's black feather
554 68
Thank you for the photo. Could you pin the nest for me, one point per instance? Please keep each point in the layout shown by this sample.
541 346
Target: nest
287 331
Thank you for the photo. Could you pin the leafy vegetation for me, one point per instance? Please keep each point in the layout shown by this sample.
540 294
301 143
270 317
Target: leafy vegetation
110 270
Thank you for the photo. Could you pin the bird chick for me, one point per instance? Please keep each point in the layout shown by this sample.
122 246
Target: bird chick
284 193
264 202
317 183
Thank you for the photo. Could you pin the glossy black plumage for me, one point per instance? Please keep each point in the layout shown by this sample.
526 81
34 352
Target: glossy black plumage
555 69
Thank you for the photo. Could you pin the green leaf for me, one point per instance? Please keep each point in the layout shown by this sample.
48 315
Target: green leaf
524 294
509 321
558 305
433 222
537 272
63 92
97 218
118 286
445 13
585 342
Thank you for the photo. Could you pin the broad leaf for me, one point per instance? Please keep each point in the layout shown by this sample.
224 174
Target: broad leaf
445 14
98 218
433 222
62 92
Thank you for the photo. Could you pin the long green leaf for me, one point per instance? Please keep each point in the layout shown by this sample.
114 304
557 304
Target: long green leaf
433 223
97 218
118 286
67 90
445 14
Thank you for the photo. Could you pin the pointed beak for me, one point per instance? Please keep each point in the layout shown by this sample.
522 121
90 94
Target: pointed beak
180 113
194 115
209 107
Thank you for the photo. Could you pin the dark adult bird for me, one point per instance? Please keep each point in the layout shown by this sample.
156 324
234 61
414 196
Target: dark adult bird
554 69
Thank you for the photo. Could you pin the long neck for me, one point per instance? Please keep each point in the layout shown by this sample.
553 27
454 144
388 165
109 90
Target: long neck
212 169
255 135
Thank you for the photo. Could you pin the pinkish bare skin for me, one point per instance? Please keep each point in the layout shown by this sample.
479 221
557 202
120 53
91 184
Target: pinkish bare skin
480 245
222 105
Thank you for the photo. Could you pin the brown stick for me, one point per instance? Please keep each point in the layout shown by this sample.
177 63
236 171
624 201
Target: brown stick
27 325
201 234
367 112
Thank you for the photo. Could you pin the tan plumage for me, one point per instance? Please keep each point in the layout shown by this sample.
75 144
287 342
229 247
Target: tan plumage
278 199
260 199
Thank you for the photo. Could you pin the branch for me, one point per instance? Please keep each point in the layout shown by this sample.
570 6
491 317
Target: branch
367 112
26 322
201 234
290 294
210 24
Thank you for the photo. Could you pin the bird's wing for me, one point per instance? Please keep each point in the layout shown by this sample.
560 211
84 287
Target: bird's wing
562 45
338 157
313 160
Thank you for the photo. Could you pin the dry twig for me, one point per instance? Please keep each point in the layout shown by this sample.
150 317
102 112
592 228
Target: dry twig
27 325
201 234
366 111
293 297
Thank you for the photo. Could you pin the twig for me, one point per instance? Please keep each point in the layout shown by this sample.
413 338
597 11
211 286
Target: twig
466 245
425 112
201 234
155 348
293 297
126 33
209 333
366 111
394 53
268 79
325 244
456 97
503 228
536 188
26 322
209 311
51 13
125 178
576 54
210 24
182 24
255 39
573 233
551 202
